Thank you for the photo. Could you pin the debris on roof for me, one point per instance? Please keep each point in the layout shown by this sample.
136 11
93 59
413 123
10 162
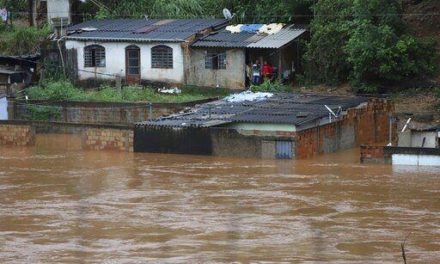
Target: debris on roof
268 36
247 96
268 29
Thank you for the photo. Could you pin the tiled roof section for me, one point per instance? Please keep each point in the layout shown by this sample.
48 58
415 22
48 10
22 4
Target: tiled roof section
281 108
226 39
142 29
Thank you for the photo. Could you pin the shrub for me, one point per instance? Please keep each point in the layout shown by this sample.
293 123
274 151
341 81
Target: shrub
54 90
268 86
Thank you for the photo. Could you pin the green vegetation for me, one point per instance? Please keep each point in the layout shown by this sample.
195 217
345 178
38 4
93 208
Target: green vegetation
247 11
64 90
43 113
364 42
18 39
273 87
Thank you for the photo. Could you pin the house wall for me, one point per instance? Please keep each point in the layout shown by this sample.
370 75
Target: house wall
58 8
233 77
115 62
430 139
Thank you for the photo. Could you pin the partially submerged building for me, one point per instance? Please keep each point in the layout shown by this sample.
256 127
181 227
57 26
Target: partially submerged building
420 137
280 125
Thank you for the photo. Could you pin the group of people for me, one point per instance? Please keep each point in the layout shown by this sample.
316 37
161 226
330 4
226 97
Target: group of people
257 73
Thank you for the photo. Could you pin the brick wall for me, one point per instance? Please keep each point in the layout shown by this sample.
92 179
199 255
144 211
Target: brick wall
108 139
372 154
365 125
17 135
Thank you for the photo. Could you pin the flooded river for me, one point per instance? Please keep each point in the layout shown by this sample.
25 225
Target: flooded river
59 204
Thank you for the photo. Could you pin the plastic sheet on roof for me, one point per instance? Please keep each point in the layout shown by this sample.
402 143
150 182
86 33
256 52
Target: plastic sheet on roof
247 96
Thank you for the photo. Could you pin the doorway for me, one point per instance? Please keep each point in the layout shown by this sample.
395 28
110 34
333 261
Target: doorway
133 64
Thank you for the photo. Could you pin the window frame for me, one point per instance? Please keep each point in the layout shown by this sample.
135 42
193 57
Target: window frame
162 57
215 60
96 57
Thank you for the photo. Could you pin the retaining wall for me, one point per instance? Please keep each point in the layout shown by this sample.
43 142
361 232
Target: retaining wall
17 135
94 112
93 137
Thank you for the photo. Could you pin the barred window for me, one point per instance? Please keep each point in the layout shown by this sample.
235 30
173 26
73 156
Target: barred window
94 56
162 57
215 60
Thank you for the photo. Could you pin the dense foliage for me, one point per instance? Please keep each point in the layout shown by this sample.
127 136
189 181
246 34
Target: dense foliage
16 40
364 42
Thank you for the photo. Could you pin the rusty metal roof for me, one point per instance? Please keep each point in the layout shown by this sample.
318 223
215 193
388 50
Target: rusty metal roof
226 39
142 30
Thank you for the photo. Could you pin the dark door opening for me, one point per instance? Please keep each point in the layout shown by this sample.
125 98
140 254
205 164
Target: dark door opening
133 65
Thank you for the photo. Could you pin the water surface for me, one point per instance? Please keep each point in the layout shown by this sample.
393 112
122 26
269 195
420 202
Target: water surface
59 204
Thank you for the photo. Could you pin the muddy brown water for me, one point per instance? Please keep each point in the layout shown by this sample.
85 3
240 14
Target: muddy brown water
59 204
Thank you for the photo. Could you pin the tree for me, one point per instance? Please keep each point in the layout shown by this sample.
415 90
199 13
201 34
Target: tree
364 42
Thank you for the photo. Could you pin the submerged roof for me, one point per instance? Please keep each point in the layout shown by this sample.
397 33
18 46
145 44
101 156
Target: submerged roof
246 39
280 108
143 30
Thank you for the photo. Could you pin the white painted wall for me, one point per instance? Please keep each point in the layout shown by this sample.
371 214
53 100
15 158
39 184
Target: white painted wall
115 62
415 160
58 8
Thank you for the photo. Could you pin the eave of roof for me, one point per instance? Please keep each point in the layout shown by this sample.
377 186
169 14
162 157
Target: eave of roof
225 39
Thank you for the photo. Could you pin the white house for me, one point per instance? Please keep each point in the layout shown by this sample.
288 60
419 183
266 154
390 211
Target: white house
138 50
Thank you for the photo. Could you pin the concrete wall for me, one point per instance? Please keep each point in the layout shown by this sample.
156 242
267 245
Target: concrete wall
115 62
400 155
58 8
108 139
233 77
97 112
418 136
17 135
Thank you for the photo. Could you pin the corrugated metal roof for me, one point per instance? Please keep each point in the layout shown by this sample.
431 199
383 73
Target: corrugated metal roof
279 39
226 39
281 108
141 29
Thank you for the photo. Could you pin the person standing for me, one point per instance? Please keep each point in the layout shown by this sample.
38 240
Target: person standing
256 72
267 71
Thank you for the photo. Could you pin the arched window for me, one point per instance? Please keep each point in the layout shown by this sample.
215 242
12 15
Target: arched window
162 57
94 56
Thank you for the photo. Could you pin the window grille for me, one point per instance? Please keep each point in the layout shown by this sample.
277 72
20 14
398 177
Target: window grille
215 60
94 56
162 57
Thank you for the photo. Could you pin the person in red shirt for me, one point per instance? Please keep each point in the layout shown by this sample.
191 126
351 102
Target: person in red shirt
267 71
